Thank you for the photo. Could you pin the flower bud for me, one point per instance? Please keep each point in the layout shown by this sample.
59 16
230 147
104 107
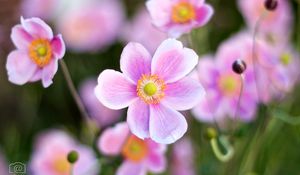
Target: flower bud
73 157
210 133
271 5
239 66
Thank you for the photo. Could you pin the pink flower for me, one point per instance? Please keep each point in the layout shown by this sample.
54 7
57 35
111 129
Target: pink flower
223 85
44 9
3 165
275 26
140 156
91 26
142 31
182 162
177 17
153 88
37 54
50 156
103 115
286 70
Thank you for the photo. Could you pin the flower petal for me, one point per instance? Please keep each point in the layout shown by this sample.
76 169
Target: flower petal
20 37
138 119
112 139
20 67
49 72
183 94
204 14
156 162
131 168
172 62
135 61
166 125
114 90
37 28
159 11
58 46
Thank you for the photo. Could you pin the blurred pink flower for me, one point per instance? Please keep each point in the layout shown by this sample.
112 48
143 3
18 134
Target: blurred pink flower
91 26
37 54
44 9
182 162
141 30
177 17
3 165
103 115
286 71
275 26
140 156
50 155
153 88
223 87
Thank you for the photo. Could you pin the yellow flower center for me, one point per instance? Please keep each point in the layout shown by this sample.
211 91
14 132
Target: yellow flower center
150 89
135 149
183 12
229 84
40 52
285 59
61 165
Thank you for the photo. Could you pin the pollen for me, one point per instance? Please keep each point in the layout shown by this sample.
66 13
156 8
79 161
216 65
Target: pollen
40 52
183 12
150 89
285 59
135 149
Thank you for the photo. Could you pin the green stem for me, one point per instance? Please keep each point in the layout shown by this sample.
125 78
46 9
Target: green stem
72 89
217 151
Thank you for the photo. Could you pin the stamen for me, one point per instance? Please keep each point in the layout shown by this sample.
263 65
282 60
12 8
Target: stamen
150 89
135 149
40 52
183 12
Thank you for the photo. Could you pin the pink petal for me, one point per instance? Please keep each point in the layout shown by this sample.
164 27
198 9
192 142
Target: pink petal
131 168
156 162
138 119
135 61
58 46
37 28
204 14
114 90
166 124
49 72
37 75
112 139
20 67
183 94
20 37
159 11
172 62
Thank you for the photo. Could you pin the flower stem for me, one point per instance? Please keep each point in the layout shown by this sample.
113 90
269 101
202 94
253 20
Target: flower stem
72 89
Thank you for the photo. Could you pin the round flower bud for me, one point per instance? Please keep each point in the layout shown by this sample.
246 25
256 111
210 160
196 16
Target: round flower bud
210 133
73 157
239 66
271 5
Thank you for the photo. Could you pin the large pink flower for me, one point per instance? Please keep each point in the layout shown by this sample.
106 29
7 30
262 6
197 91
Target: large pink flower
177 17
140 156
50 156
153 89
37 54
